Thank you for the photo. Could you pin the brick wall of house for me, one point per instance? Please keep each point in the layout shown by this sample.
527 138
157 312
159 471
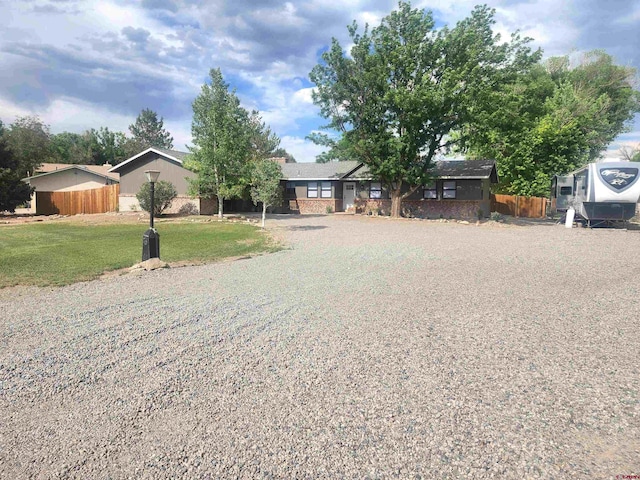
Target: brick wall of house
463 209
318 205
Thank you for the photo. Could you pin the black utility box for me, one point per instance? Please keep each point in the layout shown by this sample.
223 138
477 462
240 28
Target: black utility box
150 244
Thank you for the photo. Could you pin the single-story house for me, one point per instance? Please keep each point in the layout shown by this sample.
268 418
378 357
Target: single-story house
170 165
63 177
460 189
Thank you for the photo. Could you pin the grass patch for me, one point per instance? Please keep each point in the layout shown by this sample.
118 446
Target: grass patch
63 253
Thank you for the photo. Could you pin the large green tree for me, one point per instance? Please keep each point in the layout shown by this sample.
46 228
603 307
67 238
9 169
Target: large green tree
406 86
148 131
222 142
13 191
30 141
553 120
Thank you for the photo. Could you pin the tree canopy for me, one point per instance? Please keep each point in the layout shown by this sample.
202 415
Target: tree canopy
265 184
405 86
228 140
221 139
282 153
30 142
13 191
553 119
148 131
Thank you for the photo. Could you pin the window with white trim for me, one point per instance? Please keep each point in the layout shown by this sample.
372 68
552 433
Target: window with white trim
375 190
449 189
325 191
430 191
312 190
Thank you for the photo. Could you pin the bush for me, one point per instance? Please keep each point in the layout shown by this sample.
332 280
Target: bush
165 192
497 217
188 209
329 209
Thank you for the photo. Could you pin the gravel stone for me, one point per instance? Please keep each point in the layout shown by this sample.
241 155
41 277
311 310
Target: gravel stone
369 348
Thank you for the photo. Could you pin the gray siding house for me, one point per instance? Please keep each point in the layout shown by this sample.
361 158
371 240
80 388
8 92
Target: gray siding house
170 165
460 189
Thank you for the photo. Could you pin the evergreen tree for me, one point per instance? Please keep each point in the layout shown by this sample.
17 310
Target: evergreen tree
149 131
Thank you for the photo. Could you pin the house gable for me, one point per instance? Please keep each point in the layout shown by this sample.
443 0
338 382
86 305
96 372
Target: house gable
168 162
69 178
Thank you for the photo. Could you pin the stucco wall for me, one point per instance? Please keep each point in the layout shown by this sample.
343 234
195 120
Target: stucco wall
132 175
69 180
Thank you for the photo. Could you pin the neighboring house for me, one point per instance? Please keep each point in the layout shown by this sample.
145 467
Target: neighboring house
461 189
63 177
170 165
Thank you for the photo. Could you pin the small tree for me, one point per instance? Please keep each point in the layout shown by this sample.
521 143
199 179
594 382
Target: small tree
164 194
265 185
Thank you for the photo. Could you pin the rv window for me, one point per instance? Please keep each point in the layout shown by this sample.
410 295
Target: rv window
565 191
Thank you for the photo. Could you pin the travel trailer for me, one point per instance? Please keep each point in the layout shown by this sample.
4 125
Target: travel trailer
599 192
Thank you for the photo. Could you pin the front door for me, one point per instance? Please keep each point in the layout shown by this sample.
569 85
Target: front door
348 195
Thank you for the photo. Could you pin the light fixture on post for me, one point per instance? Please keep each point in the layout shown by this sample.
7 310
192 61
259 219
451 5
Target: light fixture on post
151 238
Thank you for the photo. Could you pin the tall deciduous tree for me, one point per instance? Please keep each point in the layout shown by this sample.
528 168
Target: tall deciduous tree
30 141
149 131
222 142
265 185
553 120
406 86
13 191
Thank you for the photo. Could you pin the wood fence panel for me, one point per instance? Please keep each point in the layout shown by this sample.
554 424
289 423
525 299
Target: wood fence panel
518 206
97 200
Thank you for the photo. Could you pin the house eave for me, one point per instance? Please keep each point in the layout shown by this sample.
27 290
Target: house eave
148 150
70 167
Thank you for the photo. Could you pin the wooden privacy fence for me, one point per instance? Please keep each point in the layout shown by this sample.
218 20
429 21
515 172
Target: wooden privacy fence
517 206
97 200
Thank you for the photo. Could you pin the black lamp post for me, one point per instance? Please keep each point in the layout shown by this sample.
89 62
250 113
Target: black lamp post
151 238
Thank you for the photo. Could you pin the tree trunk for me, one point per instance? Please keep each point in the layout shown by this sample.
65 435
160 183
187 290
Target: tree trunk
264 213
220 206
396 203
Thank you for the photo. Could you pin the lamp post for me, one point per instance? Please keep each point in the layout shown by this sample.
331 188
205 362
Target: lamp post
151 238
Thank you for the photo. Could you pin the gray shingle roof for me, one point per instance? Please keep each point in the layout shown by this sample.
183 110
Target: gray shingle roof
461 169
465 168
173 153
317 171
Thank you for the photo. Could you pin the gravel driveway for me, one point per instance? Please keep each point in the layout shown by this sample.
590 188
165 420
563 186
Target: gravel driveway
371 348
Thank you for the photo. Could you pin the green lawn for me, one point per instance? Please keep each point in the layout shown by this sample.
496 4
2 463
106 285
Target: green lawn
63 253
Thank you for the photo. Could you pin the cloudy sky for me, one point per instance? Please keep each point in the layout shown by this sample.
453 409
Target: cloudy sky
80 64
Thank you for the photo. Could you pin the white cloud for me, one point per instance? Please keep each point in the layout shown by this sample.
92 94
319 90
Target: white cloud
303 150
630 17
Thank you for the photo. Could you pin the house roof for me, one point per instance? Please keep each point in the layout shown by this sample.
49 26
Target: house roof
99 169
174 155
458 169
317 171
55 168
466 169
